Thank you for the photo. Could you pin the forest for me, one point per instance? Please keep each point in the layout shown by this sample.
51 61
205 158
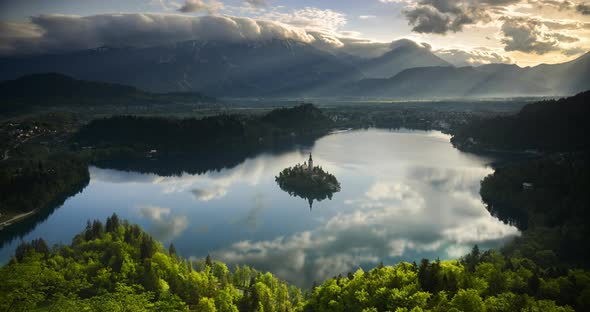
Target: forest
35 184
116 266
231 132
551 125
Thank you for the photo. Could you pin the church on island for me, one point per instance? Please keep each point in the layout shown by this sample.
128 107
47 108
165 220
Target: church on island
309 182
309 164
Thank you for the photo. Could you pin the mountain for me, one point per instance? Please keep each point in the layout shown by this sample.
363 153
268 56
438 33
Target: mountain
493 80
260 68
49 89
403 55
290 68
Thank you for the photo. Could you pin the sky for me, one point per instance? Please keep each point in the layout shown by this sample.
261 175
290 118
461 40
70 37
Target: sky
464 32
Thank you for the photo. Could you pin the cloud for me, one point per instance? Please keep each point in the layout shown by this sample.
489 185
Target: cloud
574 51
209 194
583 9
153 213
191 6
257 3
165 226
310 18
443 16
52 33
59 33
391 222
366 17
531 36
472 57
558 4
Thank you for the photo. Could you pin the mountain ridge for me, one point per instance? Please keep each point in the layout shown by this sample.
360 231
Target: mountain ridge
289 68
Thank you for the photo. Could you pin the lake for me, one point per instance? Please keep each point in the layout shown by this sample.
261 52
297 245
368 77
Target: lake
405 195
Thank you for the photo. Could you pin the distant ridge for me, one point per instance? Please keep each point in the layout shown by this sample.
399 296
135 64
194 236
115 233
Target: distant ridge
49 89
57 85
287 68
218 68
404 55
493 80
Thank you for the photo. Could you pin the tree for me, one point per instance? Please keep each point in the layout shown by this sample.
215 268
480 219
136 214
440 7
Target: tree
206 305
468 300
147 247
112 223
97 229
172 250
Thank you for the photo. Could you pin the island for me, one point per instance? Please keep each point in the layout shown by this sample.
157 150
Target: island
308 181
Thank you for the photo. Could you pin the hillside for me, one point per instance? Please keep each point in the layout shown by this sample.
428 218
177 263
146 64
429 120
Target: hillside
217 142
116 266
52 89
555 125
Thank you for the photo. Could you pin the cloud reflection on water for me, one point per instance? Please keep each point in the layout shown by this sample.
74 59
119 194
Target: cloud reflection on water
435 211
413 196
165 225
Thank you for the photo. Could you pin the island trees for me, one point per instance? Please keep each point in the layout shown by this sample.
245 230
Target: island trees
308 182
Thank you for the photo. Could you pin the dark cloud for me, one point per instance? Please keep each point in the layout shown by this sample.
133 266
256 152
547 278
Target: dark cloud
442 16
583 9
574 51
564 38
560 5
256 3
429 20
528 35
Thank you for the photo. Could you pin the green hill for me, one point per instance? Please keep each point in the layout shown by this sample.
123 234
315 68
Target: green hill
116 266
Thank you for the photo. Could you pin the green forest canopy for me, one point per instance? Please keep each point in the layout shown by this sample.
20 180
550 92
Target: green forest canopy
118 267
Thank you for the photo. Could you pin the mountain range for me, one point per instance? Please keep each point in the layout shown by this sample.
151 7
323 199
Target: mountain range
276 67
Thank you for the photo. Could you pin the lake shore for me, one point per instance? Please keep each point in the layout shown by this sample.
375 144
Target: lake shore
17 218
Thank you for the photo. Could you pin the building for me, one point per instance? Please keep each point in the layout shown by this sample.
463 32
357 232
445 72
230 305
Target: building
310 164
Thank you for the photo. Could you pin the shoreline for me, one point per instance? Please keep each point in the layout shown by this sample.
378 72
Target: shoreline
17 218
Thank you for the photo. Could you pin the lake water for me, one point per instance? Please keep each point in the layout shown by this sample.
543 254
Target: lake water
406 195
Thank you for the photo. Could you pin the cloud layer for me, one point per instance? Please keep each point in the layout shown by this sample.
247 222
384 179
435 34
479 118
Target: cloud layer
521 28
56 33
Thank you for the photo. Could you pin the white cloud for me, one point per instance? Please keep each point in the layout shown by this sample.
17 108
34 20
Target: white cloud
473 57
367 236
310 18
191 6
165 225
153 213
215 192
